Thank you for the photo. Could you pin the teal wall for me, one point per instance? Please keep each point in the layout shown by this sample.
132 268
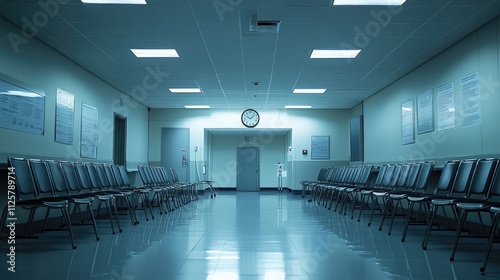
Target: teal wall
478 52
272 147
301 124
43 68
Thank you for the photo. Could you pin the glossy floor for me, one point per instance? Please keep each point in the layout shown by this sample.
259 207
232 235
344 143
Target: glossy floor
247 236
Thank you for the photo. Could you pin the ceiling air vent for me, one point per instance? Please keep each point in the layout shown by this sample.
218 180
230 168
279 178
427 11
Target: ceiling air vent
270 26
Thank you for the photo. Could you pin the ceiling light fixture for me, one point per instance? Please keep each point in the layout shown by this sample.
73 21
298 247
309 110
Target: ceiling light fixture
197 106
137 2
155 52
310 90
334 53
185 90
297 107
369 2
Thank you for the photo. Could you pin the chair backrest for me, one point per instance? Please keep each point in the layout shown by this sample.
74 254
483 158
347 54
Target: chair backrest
71 176
25 184
340 174
401 181
117 175
351 174
83 176
175 179
446 178
42 178
110 176
411 178
95 180
494 190
323 174
336 174
380 176
150 173
105 183
365 175
158 175
424 175
326 175
57 175
124 176
359 175
481 178
165 176
388 175
462 177
146 180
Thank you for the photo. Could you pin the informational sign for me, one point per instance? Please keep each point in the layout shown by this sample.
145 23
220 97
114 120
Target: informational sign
320 147
90 131
446 106
407 122
425 112
65 115
470 100
21 109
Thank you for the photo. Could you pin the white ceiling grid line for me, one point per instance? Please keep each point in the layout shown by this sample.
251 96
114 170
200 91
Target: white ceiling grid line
220 55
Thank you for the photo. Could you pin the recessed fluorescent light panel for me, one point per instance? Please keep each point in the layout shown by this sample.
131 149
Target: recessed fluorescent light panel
334 53
297 107
155 52
197 107
310 90
369 2
185 90
139 2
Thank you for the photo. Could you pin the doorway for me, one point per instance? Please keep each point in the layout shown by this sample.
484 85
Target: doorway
119 140
248 169
175 151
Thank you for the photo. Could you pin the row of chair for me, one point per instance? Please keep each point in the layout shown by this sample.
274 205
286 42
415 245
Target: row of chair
69 186
464 186
172 194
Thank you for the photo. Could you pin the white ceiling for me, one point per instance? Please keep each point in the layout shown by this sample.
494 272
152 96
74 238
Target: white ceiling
220 55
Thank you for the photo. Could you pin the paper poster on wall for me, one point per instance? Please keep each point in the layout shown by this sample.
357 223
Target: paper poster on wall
320 147
446 106
407 122
470 100
90 131
65 115
21 109
425 112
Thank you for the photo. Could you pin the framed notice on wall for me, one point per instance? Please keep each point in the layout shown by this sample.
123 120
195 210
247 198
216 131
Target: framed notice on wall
445 106
407 122
90 131
320 147
21 109
65 115
470 100
425 112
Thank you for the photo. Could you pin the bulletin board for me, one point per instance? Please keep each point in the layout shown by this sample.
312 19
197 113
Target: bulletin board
21 109
65 116
320 147
407 122
89 133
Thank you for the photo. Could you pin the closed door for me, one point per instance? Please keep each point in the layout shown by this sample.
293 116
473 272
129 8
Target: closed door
175 151
248 169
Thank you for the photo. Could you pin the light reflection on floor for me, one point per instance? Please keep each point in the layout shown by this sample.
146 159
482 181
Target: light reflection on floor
247 236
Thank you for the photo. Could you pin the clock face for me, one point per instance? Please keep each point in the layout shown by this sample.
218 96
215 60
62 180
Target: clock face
250 118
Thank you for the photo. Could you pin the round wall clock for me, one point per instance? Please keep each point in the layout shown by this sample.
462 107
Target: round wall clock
250 118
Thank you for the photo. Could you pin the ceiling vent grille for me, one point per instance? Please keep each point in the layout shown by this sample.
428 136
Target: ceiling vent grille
269 26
